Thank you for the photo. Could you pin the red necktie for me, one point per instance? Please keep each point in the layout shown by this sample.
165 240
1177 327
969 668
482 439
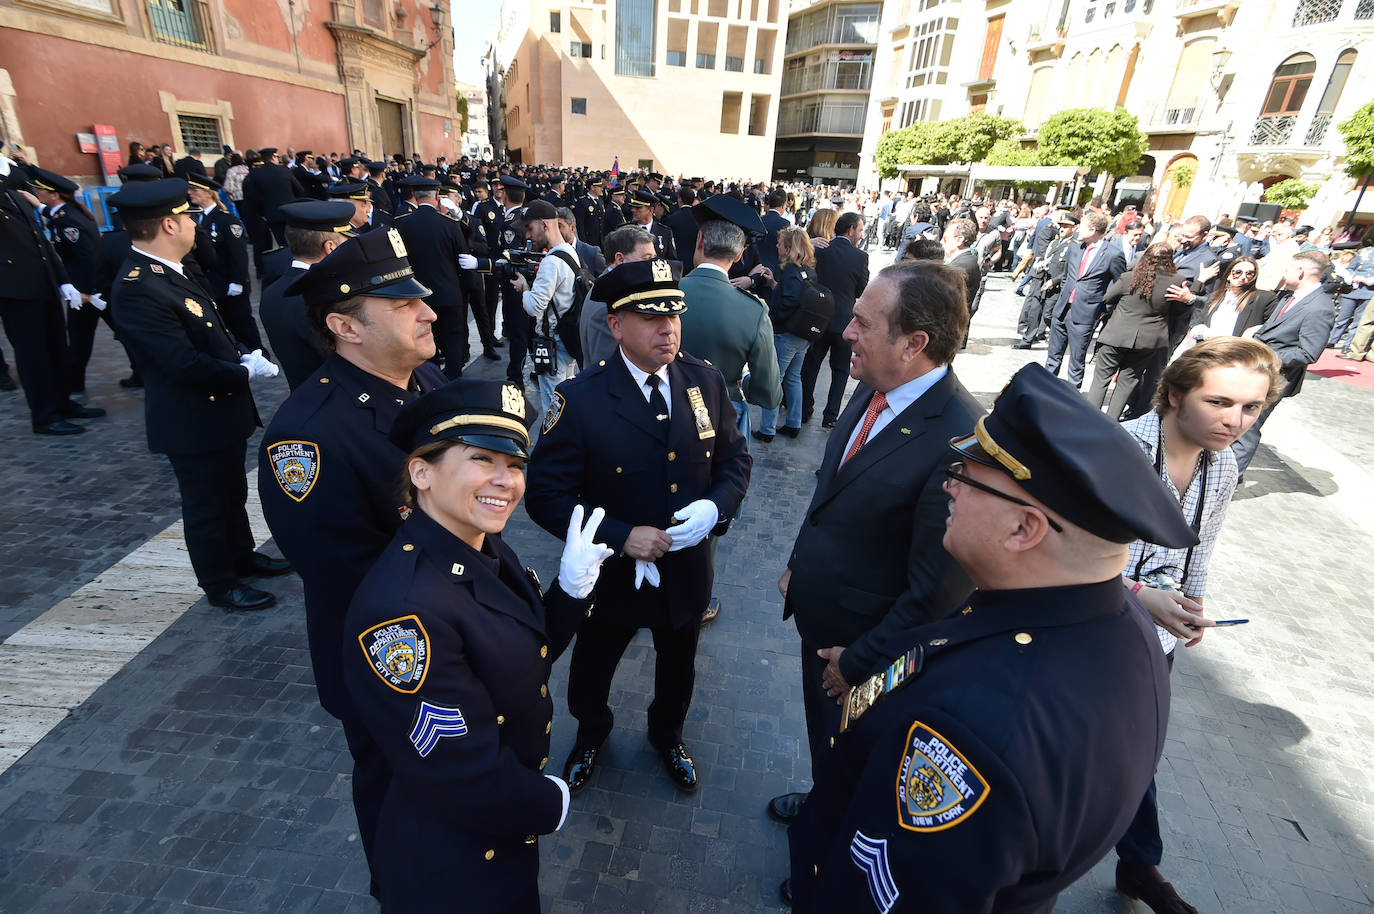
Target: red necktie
875 406
1284 310
1082 268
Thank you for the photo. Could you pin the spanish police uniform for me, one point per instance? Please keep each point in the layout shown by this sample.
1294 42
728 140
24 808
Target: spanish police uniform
434 241
1034 707
325 476
615 211
485 237
268 187
590 213
604 445
518 325
447 654
229 240
198 404
77 242
664 246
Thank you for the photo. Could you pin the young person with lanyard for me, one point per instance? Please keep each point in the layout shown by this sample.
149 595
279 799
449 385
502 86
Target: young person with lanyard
1205 401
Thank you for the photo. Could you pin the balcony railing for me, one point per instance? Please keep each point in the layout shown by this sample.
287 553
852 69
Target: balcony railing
1273 131
1311 12
845 120
826 77
1317 131
183 23
1177 114
1364 9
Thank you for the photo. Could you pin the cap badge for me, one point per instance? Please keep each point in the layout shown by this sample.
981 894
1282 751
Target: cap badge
397 245
661 271
512 400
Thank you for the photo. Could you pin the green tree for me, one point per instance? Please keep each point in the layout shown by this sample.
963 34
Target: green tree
960 139
973 136
462 114
1290 193
1099 140
914 145
1358 133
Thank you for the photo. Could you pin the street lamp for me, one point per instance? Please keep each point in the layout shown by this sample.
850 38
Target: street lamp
1220 58
436 15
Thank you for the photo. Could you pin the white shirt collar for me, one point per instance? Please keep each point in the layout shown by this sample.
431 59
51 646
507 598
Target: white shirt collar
300 265
641 376
902 396
170 263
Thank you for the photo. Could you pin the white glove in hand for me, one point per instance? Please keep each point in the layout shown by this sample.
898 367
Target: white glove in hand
258 366
71 296
581 563
467 261
235 289
645 571
98 301
697 520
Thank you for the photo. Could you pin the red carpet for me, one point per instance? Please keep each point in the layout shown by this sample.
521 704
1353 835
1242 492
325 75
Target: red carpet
1360 374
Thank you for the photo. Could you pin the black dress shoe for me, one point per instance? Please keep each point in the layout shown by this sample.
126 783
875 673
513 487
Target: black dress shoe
1148 885
1020 344
242 599
680 767
132 382
828 423
83 412
785 892
490 353
784 808
712 612
761 436
577 770
498 344
7 382
263 566
790 431
59 428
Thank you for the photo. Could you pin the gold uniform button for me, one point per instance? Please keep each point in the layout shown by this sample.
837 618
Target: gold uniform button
209 323
542 762
324 380
815 870
619 470
489 854
708 453
673 487
832 742
543 691
212 398
602 362
543 651
408 547
672 455
500 719
1023 638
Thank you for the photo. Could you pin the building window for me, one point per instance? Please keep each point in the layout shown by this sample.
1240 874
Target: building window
1314 11
580 49
183 23
634 37
644 165
555 21
706 61
758 115
677 58
1316 132
734 64
760 65
579 106
200 132
1291 81
730 104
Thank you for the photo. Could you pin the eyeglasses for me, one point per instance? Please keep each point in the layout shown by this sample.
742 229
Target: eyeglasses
955 471
1242 272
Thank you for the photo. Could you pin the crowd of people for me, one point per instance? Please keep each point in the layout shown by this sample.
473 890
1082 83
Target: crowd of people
642 318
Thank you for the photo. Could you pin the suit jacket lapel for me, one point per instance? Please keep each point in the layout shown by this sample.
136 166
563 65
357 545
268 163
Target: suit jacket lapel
839 441
632 404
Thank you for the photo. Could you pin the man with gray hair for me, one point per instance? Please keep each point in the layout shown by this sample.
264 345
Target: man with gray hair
626 244
589 254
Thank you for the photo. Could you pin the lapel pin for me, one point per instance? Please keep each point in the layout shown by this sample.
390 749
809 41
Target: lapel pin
906 431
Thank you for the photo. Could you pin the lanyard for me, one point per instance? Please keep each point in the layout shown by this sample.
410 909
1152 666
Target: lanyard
1197 513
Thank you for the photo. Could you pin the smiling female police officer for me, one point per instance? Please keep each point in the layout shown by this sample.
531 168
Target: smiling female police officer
447 651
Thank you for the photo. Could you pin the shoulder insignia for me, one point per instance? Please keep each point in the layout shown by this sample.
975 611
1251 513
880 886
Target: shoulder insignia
937 788
555 412
195 307
870 855
433 723
71 233
132 275
296 464
398 652
236 230
156 267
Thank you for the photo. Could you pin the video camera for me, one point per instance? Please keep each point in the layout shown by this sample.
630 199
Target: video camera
524 262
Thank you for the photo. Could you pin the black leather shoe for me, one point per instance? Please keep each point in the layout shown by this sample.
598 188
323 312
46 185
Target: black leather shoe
490 353
806 417
785 892
828 423
1020 344
7 382
263 566
132 382
242 599
790 431
680 767
83 412
1148 885
761 436
498 344
712 612
785 808
59 428
577 770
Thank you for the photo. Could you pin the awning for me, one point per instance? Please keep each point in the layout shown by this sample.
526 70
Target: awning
934 171
1042 174
1135 182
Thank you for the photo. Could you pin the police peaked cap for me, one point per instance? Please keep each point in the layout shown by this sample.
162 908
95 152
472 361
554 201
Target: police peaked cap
372 264
646 286
349 190
137 173
419 182
483 413
1076 461
204 182
644 198
51 181
319 215
151 199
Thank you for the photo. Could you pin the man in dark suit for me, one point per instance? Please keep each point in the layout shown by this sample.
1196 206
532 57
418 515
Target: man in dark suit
683 225
268 186
383 208
773 222
188 165
198 403
843 269
650 437
591 212
1046 230
435 242
1092 265
959 237
1297 332
868 563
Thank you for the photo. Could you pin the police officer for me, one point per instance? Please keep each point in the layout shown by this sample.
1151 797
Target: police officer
382 208
1047 275
268 186
484 237
948 795
590 212
229 283
510 235
198 404
357 193
325 466
615 211
447 652
642 214
649 435
434 242
313 230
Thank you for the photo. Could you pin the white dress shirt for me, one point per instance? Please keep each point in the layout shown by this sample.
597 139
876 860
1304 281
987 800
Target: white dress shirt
641 377
898 399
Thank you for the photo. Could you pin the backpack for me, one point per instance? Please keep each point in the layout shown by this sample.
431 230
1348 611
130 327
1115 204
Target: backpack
568 322
813 314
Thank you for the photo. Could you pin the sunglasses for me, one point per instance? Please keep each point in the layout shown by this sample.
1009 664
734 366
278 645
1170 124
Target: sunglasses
1242 272
955 471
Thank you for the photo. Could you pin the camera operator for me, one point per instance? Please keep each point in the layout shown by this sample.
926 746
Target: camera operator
1206 400
548 299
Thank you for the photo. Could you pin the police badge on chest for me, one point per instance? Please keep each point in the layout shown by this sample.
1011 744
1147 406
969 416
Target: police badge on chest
700 414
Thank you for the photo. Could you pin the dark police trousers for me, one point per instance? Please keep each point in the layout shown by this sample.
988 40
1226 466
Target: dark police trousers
1142 843
213 492
517 325
40 355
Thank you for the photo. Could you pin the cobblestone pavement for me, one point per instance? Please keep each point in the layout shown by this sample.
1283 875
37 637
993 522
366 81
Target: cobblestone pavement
204 776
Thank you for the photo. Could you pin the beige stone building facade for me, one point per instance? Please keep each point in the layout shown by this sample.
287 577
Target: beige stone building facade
684 87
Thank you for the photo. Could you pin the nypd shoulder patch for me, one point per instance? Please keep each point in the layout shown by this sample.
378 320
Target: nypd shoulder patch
937 788
555 412
433 723
236 230
71 233
398 651
296 464
870 856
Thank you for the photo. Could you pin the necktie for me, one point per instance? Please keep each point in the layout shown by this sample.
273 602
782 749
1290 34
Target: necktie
1082 267
656 401
1284 310
875 406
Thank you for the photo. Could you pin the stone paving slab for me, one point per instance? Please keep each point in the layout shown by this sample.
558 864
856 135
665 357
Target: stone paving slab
204 777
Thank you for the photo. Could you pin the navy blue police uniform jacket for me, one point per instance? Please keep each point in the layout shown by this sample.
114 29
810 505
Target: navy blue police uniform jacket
231 250
287 325
77 242
196 396
447 653
330 485
600 446
1002 772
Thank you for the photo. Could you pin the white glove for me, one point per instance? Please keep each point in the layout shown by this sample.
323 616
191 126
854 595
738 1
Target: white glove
645 571
99 302
580 565
567 798
258 366
235 289
72 296
467 261
697 520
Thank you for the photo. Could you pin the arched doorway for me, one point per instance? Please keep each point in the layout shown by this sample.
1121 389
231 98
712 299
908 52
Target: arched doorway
1173 190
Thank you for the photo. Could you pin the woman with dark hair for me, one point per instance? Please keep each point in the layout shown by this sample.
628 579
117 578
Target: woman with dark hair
797 259
1137 326
447 649
1234 307
137 155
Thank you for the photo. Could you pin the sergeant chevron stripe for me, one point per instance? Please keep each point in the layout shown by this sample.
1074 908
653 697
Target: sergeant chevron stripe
870 855
432 724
